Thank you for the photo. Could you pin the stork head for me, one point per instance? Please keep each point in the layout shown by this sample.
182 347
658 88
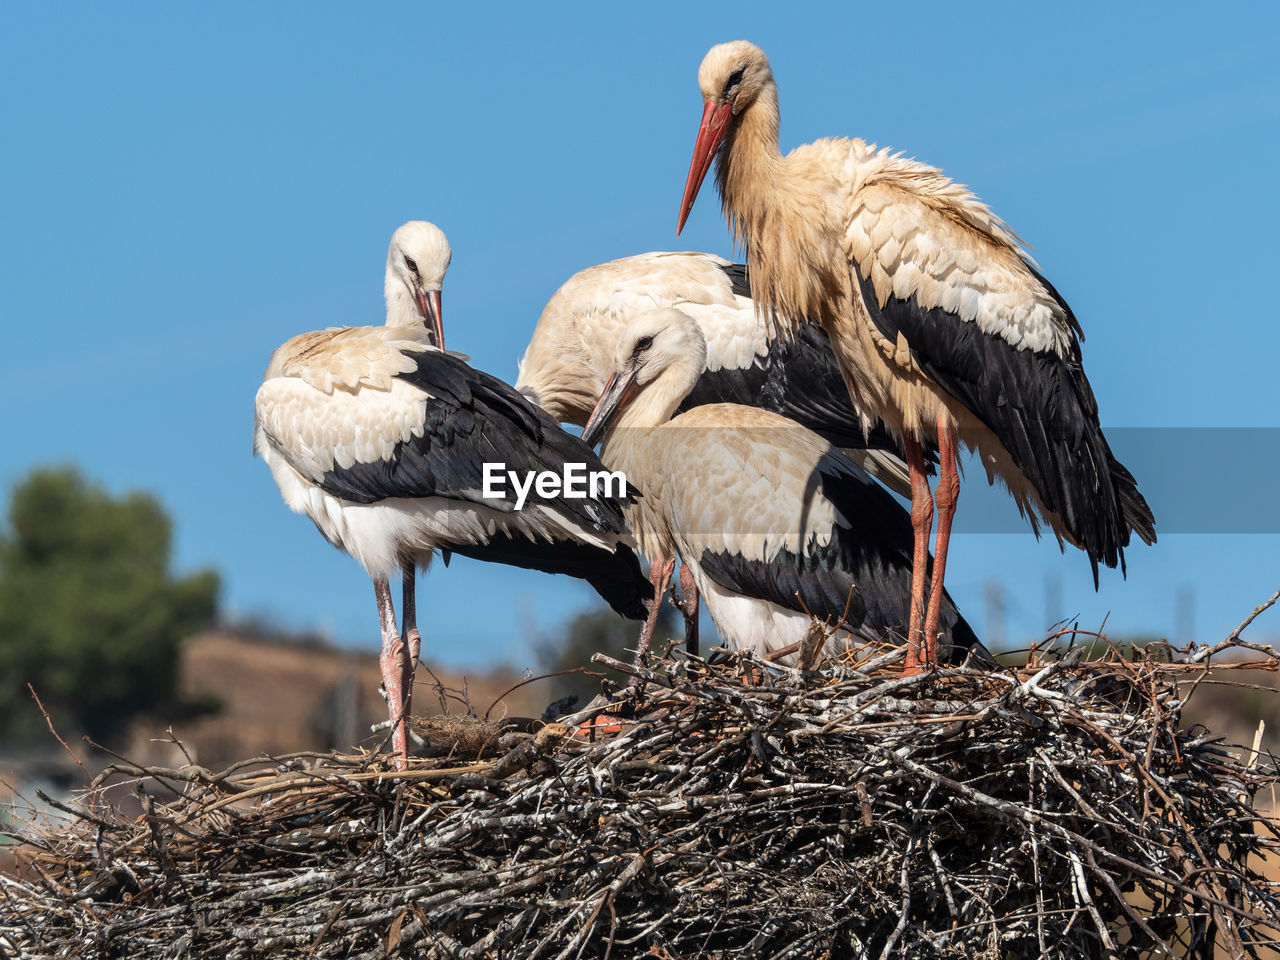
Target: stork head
417 260
660 357
731 78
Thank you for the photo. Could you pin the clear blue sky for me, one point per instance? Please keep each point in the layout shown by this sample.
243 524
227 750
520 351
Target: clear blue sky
184 190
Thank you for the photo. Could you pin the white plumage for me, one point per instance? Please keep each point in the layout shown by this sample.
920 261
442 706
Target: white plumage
379 437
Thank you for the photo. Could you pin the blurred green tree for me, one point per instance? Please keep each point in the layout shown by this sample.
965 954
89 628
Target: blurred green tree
89 613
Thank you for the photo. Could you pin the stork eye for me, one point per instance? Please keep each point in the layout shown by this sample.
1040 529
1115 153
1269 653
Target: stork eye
735 78
644 343
413 267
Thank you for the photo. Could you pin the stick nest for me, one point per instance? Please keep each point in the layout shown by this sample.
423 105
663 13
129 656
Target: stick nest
1057 811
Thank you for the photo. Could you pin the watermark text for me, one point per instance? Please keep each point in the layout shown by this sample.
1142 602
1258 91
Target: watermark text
576 482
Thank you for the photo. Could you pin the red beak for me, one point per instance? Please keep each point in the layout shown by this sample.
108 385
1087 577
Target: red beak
715 124
429 310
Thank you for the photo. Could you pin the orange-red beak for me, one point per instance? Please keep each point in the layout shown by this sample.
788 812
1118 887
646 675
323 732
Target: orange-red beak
429 310
715 124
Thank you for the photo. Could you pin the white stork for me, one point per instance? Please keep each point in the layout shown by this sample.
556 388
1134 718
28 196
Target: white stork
380 438
943 326
773 522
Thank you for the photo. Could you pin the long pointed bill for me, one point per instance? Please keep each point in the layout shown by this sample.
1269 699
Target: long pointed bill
617 393
429 310
715 124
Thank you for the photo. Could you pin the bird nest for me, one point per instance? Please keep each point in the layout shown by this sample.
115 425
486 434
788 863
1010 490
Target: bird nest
720 809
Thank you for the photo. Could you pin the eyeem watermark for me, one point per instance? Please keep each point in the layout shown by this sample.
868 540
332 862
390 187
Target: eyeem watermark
575 483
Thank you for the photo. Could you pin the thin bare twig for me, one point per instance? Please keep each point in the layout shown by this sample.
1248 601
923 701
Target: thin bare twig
49 720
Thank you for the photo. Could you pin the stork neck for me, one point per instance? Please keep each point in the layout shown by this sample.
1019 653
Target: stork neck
402 307
750 164
637 453
657 402
778 212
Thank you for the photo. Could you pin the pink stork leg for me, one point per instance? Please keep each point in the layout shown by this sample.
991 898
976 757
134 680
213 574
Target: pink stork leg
689 607
922 521
395 672
660 571
947 493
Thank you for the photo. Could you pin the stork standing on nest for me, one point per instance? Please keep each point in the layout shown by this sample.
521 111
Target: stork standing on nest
381 438
570 357
942 325
775 524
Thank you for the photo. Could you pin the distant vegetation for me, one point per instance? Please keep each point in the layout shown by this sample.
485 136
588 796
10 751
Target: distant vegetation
90 614
598 630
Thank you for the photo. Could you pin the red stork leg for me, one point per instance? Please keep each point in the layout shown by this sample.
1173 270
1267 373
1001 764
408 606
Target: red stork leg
922 521
689 607
396 670
946 495
660 571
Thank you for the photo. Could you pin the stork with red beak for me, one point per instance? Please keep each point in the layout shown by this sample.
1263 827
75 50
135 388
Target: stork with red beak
942 324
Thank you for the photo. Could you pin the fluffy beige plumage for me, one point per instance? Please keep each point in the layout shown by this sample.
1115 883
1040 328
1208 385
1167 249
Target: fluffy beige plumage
570 354
811 217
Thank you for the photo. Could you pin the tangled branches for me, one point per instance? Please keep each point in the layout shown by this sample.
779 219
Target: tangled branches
848 812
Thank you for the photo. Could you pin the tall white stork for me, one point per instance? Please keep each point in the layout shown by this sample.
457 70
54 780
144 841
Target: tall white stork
943 326
773 522
381 438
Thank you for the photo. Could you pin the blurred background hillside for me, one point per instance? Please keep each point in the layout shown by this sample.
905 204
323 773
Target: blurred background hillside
123 652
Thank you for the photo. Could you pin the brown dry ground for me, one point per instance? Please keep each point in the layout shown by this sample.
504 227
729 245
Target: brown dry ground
280 698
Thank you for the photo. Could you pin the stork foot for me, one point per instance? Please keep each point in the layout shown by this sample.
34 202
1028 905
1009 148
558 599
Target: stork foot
413 642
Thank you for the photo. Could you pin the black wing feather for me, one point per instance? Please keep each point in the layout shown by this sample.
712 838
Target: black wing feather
616 576
1041 408
473 418
798 378
739 279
